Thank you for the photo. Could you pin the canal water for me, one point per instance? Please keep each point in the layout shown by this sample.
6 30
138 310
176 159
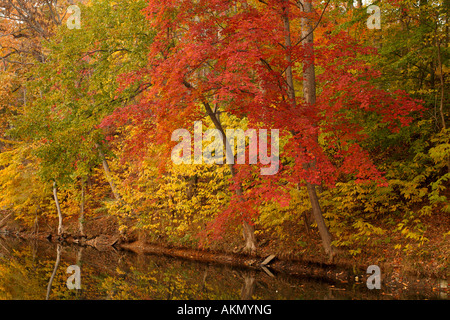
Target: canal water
38 270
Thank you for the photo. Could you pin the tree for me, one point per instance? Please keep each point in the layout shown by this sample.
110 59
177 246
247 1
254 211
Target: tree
74 88
235 57
309 94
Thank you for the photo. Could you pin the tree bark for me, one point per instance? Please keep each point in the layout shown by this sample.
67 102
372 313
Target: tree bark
441 79
58 259
309 93
248 229
81 217
58 208
108 173
249 286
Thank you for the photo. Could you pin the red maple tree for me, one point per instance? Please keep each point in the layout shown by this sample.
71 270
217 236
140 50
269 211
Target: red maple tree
237 57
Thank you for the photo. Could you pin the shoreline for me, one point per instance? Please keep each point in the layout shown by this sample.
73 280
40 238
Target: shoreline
275 265
339 272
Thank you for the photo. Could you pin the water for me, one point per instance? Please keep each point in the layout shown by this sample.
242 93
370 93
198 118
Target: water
37 270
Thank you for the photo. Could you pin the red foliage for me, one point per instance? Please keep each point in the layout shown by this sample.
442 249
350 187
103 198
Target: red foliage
207 51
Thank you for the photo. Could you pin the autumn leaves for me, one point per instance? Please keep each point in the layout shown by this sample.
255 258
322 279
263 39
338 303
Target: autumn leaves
295 89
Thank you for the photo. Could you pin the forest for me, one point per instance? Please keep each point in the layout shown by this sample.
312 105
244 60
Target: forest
106 106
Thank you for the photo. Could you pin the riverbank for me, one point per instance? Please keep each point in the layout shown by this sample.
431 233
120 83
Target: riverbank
398 268
27 266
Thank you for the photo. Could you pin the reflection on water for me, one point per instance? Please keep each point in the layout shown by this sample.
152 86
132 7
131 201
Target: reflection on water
38 270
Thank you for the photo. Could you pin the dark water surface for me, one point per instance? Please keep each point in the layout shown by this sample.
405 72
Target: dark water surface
38 270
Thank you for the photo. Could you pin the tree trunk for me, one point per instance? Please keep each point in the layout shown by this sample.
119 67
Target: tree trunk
58 208
441 104
81 217
441 79
248 229
108 173
249 237
248 289
58 259
80 256
309 93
